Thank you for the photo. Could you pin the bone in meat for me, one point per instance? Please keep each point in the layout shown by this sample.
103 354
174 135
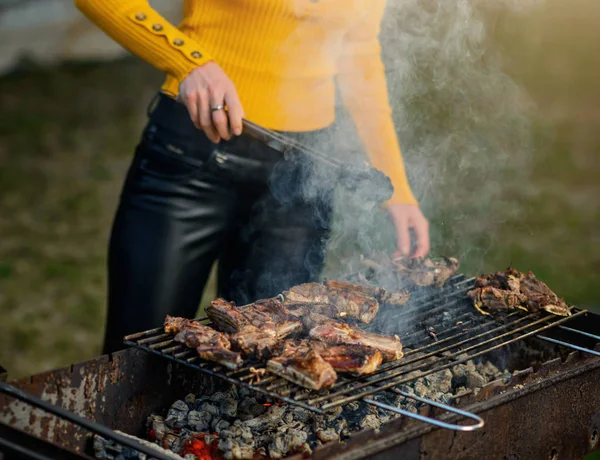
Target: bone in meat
353 359
210 345
271 314
335 332
308 370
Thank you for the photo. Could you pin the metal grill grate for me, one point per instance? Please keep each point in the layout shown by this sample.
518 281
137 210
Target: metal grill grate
438 328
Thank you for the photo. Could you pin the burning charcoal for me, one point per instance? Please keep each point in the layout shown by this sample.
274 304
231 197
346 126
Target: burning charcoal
237 442
249 408
488 370
328 435
231 450
441 381
177 414
229 406
268 420
219 425
199 421
474 379
370 421
208 408
285 442
300 415
190 400
157 424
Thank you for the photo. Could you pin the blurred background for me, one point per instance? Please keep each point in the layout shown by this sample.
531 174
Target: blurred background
497 108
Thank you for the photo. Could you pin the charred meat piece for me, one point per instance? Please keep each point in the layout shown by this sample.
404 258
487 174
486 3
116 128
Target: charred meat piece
490 299
210 345
307 293
379 293
227 358
226 316
270 313
344 299
417 271
353 359
335 332
425 271
510 289
541 297
307 369
254 342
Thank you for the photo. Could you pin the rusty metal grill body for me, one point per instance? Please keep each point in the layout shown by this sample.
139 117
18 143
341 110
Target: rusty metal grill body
438 327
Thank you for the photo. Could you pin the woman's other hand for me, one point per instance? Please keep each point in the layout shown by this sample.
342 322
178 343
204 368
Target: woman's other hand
206 92
406 216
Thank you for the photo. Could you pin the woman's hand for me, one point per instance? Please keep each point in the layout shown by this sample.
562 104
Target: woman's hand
206 91
407 216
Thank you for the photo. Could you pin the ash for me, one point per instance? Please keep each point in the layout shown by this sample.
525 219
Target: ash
241 424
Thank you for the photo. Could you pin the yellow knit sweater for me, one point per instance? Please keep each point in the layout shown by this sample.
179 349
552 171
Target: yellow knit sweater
283 57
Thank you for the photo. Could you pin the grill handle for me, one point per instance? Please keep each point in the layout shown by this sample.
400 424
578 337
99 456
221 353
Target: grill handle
432 421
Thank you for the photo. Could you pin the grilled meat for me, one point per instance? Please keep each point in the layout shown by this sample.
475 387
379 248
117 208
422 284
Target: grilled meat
417 271
307 293
510 289
342 299
335 332
353 359
254 342
305 368
209 344
263 313
226 316
541 297
249 339
425 271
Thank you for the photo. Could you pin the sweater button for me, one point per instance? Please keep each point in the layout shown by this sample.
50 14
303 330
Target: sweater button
157 27
178 42
196 54
140 16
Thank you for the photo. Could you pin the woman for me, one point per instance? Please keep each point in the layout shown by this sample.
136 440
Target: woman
198 189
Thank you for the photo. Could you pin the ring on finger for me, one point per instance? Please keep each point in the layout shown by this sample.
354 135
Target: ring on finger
216 108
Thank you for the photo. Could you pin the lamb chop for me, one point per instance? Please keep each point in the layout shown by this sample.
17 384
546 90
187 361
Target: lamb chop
334 332
210 345
305 368
256 340
379 293
510 290
353 359
418 271
263 313
345 299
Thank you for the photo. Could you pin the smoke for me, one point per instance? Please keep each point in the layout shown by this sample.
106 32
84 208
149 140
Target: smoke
463 127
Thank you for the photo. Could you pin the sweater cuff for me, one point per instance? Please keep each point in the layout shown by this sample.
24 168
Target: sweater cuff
186 52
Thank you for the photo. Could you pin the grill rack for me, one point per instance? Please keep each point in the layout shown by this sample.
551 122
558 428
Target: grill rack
440 329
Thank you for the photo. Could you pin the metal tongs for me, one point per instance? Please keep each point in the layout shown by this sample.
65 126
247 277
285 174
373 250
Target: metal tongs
370 182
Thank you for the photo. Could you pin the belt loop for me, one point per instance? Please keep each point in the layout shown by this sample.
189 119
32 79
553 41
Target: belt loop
153 104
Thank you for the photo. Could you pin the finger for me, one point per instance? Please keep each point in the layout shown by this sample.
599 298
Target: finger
219 117
402 238
191 102
235 111
422 233
206 121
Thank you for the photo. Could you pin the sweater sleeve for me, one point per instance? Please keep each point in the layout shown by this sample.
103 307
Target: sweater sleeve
363 88
141 30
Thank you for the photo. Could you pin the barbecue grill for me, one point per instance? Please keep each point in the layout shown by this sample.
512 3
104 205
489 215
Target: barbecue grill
438 328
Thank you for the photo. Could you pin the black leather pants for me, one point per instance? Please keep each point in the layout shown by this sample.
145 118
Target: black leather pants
187 203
